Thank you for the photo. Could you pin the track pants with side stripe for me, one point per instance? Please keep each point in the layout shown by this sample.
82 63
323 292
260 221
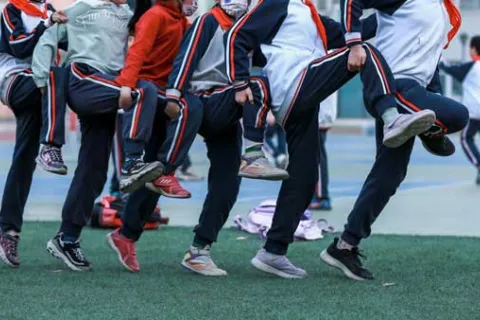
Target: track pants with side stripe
167 135
118 157
226 110
468 142
93 96
54 107
23 98
320 79
223 137
390 167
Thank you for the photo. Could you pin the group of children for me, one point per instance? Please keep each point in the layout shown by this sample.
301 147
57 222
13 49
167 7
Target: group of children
177 81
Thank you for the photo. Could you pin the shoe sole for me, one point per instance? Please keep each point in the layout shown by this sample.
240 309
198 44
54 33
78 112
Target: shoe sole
112 246
150 186
268 269
415 126
47 168
3 258
437 154
53 250
331 261
151 172
186 266
268 177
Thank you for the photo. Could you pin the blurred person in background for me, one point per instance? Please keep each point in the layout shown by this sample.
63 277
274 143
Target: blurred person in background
468 74
326 116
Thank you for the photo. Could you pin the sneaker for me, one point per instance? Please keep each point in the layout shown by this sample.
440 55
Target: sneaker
278 265
439 145
320 204
125 249
69 252
50 159
199 261
187 176
258 167
8 249
168 186
348 261
135 173
407 126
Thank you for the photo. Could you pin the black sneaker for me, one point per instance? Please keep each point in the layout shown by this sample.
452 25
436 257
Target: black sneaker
135 173
347 261
439 145
69 252
50 159
8 249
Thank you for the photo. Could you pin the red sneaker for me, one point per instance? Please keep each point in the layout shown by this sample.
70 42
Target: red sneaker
168 186
125 249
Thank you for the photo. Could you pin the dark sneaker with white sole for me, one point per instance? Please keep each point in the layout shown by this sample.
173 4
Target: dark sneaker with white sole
69 252
348 261
9 249
50 159
135 173
439 145
407 126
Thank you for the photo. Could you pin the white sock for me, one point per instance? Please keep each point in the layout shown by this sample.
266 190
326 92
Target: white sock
390 115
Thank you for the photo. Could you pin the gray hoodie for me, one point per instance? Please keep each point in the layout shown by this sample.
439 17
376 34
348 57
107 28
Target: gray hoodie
97 35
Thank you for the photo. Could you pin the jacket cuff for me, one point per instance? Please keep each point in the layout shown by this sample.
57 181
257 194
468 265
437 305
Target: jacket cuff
40 82
173 95
240 85
353 38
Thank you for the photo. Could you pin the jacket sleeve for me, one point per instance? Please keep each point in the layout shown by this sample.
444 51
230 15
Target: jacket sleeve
194 45
351 11
21 42
458 71
257 27
145 33
335 33
46 52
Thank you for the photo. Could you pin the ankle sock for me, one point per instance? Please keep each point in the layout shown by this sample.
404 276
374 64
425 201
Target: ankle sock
70 239
389 116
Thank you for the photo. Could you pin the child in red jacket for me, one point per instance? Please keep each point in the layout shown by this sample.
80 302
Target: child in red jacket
158 33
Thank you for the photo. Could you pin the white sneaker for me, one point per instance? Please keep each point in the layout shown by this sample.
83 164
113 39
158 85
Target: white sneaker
199 261
278 265
407 126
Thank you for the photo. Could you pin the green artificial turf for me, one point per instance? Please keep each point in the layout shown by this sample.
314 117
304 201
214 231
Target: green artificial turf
421 278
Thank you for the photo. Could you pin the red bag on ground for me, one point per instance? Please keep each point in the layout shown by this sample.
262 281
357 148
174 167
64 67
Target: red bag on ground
107 214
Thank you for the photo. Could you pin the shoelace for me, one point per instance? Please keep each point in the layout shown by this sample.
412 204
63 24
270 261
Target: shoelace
11 246
55 155
357 254
78 252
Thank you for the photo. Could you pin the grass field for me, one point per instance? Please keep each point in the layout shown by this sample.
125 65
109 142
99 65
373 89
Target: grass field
421 278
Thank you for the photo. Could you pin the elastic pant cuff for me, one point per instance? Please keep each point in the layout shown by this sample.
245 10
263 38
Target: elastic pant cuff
130 234
350 239
276 247
202 241
70 229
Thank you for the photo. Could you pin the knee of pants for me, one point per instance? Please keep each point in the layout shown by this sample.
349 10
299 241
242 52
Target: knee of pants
195 110
457 119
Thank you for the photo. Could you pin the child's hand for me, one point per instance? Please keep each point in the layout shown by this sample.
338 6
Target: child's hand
356 58
125 101
172 109
241 97
59 17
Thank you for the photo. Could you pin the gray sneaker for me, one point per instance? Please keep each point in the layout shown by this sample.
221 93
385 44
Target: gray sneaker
277 265
407 126
255 165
